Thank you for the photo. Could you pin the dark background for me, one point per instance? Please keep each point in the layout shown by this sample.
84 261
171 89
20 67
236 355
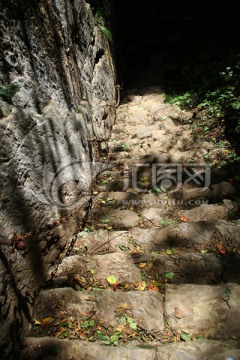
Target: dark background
161 42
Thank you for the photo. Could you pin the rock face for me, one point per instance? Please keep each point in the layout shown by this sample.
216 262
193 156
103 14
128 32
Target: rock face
66 100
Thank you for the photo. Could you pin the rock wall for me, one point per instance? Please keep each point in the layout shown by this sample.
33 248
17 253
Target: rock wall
63 65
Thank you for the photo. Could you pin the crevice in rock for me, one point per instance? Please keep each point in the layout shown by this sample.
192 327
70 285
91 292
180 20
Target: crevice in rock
99 56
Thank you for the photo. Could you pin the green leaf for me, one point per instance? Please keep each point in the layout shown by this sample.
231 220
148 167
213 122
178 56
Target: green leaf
133 326
122 319
169 275
105 221
130 320
111 280
64 324
107 342
114 338
185 337
64 334
101 337
86 324
228 293
122 247
165 222
168 251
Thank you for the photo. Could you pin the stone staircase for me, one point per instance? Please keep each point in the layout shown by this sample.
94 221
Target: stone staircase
156 273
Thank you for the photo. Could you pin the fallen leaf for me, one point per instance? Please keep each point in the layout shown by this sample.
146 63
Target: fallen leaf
105 221
36 322
64 324
222 252
184 219
150 266
46 321
121 327
124 306
140 285
152 287
111 280
101 337
58 333
219 246
168 251
116 285
131 208
185 337
169 275
228 293
142 265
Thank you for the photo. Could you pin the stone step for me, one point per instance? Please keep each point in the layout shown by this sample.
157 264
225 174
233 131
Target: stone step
154 216
96 269
194 268
138 182
184 268
108 308
211 311
48 348
115 218
185 235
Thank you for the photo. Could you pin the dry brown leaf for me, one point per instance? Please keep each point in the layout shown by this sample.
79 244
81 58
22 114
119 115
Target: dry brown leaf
58 333
150 266
184 219
121 327
47 321
124 306
153 287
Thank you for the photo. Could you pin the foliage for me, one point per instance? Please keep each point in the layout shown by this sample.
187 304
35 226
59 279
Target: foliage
8 91
212 90
185 100
216 93
100 23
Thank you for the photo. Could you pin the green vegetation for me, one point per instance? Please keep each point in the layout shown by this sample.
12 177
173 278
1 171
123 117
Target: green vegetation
216 93
100 23
8 91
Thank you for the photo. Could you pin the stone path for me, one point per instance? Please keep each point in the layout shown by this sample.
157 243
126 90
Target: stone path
155 275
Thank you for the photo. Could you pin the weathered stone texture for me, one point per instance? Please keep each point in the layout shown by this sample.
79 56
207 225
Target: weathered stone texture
63 66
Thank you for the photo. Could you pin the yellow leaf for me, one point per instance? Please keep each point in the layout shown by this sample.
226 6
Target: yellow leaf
111 280
131 208
47 320
142 265
141 285
36 322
